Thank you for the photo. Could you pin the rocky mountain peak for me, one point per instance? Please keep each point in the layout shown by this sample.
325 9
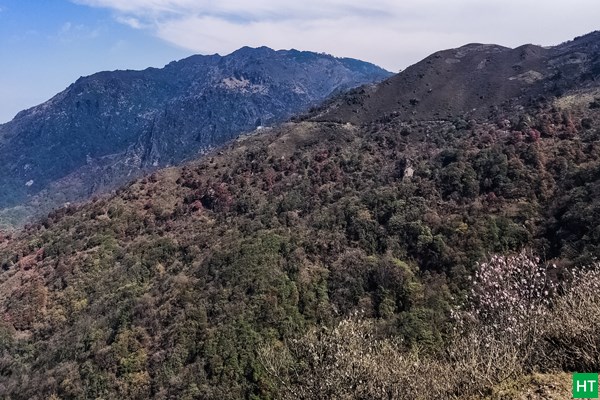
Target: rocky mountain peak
107 128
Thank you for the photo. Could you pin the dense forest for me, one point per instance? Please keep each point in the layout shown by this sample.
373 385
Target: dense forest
320 260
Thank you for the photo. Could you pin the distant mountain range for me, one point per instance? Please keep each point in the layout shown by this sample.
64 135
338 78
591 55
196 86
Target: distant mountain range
108 128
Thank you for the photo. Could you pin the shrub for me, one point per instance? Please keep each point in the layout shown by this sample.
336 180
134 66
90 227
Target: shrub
510 293
515 320
571 330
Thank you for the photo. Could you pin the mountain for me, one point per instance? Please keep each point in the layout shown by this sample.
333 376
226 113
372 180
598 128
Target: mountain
110 127
330 258
475 80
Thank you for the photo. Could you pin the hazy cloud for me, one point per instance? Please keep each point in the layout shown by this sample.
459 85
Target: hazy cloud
391 33
69 33
66 28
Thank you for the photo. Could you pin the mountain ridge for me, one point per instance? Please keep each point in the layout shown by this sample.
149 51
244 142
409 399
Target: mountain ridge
474 80
158 117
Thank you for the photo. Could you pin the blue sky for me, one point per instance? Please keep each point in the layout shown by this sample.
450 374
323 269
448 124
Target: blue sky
47 44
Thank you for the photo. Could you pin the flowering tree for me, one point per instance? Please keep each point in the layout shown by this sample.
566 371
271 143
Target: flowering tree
509 301
514 300
510 290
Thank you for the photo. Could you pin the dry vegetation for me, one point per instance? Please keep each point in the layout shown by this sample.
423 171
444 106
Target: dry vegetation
483 358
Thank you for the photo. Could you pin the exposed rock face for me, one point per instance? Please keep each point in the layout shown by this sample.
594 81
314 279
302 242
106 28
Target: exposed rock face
107 128
473 80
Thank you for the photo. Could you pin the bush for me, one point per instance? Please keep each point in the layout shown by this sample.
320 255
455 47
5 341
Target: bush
515 320
571 330
510 293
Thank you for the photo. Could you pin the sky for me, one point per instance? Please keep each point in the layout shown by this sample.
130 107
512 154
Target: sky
47 44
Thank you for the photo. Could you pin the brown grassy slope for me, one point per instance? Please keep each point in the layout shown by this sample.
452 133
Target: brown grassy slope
473 80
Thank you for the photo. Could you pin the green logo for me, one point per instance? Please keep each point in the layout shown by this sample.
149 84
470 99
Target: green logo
585 386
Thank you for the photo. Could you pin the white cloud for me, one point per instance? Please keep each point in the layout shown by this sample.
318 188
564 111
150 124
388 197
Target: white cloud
392 33
131 22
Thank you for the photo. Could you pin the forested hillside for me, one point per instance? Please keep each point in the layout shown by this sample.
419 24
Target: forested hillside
393 258
170 288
